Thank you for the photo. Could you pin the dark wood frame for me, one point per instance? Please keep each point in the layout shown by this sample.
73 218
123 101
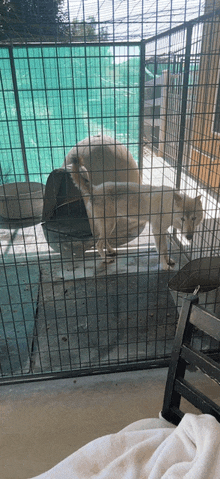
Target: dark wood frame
184 353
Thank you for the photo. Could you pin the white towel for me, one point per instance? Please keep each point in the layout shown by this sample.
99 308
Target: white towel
190 451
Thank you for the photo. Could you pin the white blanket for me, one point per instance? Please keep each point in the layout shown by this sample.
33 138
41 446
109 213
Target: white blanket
191 451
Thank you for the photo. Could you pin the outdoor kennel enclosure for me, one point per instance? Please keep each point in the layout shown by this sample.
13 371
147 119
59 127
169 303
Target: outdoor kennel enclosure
103 85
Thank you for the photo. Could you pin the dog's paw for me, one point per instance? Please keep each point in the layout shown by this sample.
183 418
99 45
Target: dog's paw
171 262
112 253
108 260
168 265
165 266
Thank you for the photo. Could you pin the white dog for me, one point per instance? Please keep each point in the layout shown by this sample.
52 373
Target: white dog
162 207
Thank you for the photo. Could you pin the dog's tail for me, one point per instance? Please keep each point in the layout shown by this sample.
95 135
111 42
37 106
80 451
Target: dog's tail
80 175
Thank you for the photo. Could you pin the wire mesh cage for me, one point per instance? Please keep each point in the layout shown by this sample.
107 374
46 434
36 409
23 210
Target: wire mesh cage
109 179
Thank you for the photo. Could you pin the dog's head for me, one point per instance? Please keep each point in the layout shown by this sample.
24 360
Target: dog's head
187 215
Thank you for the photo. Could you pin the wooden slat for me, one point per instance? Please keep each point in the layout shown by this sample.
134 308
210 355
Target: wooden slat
197 398
201 361
205 321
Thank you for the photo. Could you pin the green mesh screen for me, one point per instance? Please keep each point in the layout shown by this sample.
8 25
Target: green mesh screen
64 94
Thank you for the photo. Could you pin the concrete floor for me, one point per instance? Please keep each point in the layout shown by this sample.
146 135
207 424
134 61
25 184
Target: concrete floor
44 422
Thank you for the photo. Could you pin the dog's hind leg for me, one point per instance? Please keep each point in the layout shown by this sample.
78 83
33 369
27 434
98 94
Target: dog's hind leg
106 252
104 248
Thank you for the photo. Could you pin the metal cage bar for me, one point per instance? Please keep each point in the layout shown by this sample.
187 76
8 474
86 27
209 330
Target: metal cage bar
136 101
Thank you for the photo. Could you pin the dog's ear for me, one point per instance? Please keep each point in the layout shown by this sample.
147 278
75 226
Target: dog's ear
80 160
84 172
198 198
178 199
77 160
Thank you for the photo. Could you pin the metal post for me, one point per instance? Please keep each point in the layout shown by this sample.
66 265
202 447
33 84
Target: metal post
184 104
163 113
141 104
18 110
